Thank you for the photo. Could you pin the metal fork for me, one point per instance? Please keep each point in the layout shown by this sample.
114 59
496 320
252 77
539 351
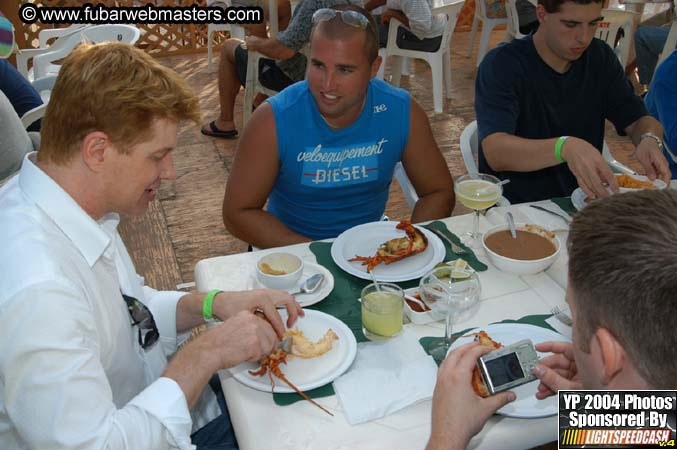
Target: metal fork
454 247
561 316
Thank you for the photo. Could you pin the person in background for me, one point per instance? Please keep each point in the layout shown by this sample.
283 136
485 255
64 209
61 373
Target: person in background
528 20
20 93
85 344
649 43
322 152
541 105
283 65
661 101
422 30
607 291
259 29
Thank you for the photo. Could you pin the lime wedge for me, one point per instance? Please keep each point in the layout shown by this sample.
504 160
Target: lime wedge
459 275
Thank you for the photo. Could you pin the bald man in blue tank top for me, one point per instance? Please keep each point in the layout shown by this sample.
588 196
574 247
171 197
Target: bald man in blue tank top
323 151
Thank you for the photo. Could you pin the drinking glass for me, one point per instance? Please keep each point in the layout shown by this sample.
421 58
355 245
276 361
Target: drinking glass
477 191
382 311
449 294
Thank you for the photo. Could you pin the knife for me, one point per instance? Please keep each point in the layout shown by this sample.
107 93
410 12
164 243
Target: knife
566 218
284 344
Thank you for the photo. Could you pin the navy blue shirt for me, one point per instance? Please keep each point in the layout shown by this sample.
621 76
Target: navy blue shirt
517 93
21 94
661 101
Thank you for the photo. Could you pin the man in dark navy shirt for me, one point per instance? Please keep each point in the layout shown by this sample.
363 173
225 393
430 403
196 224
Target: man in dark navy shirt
541 105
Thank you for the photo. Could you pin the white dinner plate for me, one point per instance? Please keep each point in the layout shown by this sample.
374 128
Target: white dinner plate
526 406
578 196
364 240
578 199
309 269
310 373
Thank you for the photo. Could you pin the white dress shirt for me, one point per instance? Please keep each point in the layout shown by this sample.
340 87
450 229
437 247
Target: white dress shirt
421 20
72 372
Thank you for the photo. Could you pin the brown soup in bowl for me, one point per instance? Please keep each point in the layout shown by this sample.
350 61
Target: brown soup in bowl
528 245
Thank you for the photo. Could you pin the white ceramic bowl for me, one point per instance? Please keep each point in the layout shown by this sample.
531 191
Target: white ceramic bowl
419 318
286 262
519 266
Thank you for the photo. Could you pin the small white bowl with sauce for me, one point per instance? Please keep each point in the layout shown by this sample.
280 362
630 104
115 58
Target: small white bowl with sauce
534 250
279 270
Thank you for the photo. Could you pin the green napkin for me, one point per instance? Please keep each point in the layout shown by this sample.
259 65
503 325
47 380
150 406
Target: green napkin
537 319
470 257
565 204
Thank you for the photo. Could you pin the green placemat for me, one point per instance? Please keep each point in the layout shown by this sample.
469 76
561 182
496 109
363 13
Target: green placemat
537 319
450 256
342 301
565 204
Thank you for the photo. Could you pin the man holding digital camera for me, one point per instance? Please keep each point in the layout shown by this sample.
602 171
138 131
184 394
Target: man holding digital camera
620 304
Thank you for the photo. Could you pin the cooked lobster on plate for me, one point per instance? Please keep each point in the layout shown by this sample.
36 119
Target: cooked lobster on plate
477 382
300 346
397 248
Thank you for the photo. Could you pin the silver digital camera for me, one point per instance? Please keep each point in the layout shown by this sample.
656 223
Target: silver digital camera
509 366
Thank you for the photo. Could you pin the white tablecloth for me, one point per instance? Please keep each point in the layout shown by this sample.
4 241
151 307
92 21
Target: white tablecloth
261 424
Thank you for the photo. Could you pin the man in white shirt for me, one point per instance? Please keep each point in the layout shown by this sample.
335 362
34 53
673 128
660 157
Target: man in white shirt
423 30
82 362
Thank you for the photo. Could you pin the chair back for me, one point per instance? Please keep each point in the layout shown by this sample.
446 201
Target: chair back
513 19
469 146
607 30
670 42
451 11
408 190
43 58
50 33
112 32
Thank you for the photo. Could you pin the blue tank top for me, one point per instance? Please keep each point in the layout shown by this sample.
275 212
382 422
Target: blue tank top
331 180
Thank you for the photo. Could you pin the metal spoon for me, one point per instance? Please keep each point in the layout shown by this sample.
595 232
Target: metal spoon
311 284
511 224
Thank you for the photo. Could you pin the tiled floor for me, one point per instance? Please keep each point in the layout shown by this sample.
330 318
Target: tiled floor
184 225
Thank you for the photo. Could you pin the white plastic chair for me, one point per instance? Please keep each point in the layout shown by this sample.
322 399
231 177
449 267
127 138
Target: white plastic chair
44 87
470 145
113 32
469 149
43 58
51 33
512 16
439 61
513 21
253 85
670 43
487 27
235 31
614 20
408 190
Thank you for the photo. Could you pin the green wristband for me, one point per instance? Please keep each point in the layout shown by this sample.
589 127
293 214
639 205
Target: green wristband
207 313
558 148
